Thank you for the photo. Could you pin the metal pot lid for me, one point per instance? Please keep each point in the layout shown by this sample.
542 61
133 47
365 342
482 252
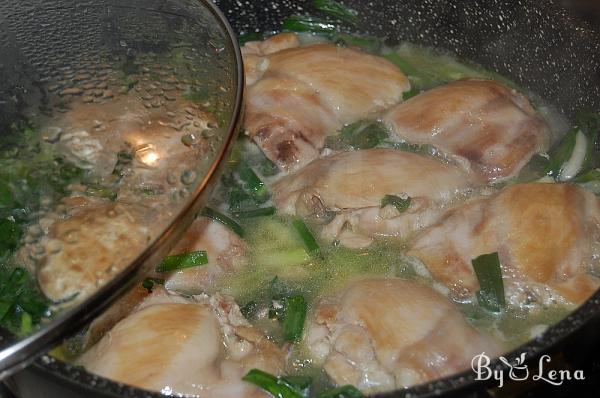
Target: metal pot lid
114 118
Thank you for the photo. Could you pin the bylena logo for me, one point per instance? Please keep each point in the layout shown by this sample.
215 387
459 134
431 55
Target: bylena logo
519 370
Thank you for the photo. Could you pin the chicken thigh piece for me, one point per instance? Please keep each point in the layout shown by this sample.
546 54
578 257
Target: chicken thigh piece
482 124
546 235
199 346
350 187
89 245
385 334
297 95
224 249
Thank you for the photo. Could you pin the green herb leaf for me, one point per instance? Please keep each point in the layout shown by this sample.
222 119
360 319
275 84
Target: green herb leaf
400 204
337 10
489 273
223 219
347 391
309 241
275 386
181 261
294 315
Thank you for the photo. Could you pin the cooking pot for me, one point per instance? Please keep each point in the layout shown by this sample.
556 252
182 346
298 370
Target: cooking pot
537 43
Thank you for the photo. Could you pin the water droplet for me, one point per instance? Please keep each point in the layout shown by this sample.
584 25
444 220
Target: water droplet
189 139
188 177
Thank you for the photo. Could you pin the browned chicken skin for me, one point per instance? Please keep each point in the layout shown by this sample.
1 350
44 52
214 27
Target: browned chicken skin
385 334
482 124
198 346
297 95
546 236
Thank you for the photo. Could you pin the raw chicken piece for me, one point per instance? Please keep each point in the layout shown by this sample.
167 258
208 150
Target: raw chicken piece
385 334
225 252
491 129
199 346
352 185
546 236
297 95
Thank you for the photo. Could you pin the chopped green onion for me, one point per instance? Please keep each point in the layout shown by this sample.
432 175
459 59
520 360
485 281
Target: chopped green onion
10 235
260 212
249 310
268 168
149 283
298 23
102 192
299 382
592 175
363 134
413 92
181 261
367 43
26 324
223 219
402 64
275 386
400 204
250 36
491 287
347 391
337 10
253 184
294 315
310 243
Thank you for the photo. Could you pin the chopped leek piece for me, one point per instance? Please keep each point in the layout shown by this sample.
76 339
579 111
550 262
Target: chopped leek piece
223 219
337 10
299 23
294 315
363 134
275 386
253 184
260 212
410 93
310 243
367 43
300 382
400 204
250 36
592 175
491 287
181 261
249 310
347 391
